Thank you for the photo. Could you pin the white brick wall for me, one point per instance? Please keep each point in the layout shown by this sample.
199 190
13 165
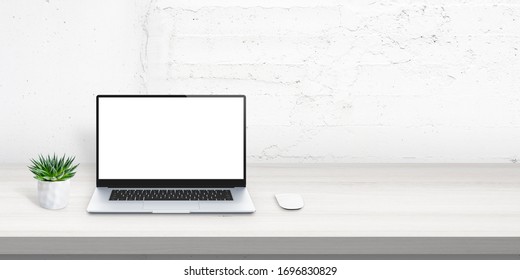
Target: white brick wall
353 81
327 81
55 56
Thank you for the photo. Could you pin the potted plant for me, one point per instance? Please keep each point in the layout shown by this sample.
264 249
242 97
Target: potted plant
53 174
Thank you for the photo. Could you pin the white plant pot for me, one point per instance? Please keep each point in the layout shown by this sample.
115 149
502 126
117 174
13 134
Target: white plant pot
53 195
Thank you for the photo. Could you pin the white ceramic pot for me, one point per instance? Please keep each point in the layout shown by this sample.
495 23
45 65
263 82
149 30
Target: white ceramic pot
53 195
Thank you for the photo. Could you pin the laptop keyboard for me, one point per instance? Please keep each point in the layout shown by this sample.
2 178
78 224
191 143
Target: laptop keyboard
171 195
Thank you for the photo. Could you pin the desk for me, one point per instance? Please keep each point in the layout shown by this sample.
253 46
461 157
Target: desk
350 209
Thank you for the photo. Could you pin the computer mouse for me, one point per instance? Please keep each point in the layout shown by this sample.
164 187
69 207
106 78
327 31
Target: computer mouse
290 201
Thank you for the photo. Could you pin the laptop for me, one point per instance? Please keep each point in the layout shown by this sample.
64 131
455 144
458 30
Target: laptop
171 154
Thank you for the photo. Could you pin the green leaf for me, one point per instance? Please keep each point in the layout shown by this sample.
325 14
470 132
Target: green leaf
53 168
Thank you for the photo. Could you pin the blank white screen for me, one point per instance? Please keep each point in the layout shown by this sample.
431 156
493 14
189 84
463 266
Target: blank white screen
171 138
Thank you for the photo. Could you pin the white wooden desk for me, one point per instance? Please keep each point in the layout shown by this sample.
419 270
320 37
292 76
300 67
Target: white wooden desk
349 209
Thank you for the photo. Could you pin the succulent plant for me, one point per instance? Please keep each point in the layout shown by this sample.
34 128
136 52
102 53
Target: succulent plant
53 168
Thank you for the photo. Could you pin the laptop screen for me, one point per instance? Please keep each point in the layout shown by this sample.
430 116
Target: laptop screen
171 137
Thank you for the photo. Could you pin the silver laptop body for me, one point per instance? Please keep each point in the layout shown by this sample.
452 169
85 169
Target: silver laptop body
171 154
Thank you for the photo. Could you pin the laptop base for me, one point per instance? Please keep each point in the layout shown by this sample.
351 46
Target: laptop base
100 203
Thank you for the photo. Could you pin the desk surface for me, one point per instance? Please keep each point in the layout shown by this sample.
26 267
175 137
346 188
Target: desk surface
341 201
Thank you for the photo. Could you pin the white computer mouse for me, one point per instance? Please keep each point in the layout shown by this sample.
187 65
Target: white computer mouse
290 201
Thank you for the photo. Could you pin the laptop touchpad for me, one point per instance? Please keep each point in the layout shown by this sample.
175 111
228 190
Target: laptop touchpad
171 205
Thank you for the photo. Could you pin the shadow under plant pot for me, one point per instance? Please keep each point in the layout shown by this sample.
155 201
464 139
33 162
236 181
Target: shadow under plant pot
53 195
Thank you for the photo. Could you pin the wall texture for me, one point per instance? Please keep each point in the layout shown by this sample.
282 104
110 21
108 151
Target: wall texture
327 81
54 57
